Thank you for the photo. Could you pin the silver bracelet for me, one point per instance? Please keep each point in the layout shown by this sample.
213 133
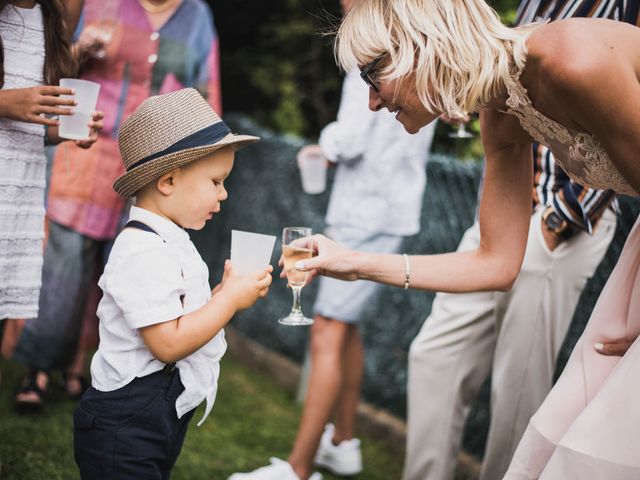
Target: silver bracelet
407 271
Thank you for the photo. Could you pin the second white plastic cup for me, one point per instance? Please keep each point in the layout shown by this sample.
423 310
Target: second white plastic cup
251 251
313 171
76 126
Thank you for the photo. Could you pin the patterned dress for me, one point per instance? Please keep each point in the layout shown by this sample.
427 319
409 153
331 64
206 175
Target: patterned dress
22 169
140 61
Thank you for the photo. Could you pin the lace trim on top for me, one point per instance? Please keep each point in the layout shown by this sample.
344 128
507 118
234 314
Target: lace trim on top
588 162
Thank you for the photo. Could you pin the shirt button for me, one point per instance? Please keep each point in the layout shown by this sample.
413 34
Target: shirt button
153 58
154 36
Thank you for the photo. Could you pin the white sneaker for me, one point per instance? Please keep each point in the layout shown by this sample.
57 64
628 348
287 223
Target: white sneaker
343 459
278 470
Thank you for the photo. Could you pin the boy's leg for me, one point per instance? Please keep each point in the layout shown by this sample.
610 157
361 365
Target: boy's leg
179 433
142 417
328 341
352 366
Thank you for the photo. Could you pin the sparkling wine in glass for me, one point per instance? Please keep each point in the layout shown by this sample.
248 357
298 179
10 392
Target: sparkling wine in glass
295 247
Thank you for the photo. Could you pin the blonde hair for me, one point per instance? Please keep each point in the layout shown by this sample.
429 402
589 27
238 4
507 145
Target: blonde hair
459 50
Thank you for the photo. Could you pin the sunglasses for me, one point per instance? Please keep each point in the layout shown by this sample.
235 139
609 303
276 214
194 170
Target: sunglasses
368 69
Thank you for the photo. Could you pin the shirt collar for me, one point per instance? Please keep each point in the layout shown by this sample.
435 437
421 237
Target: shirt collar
164 227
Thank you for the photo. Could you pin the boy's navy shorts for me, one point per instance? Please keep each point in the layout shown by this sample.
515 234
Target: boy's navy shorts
132 432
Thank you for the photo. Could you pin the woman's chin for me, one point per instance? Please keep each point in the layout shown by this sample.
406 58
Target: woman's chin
409 125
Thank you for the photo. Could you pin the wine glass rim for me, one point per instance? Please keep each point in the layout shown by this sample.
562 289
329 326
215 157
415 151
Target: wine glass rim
297 228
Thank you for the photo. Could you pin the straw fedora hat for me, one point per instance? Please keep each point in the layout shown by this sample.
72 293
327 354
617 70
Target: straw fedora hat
166 132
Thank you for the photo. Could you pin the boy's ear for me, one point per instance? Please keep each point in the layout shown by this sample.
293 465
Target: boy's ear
166 183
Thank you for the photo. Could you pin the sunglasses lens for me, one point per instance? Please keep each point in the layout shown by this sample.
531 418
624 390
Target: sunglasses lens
365 73
371 84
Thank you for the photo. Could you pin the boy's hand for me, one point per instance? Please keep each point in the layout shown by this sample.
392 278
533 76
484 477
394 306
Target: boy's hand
244 290
217 288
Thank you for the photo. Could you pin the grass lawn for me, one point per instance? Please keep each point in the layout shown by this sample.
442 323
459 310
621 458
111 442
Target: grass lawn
252 420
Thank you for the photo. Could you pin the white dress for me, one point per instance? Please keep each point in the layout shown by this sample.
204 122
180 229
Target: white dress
22 169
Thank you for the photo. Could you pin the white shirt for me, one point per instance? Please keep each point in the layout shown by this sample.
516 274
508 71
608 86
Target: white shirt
380 180
142 284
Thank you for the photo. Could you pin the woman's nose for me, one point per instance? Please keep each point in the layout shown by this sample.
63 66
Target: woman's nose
375 101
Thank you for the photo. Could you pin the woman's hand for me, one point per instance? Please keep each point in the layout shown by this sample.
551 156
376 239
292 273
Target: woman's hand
31 104
92 42
613 349
331 260
312 150
95 125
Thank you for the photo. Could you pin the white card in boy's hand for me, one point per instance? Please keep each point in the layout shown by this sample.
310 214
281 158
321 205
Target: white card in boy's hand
251 251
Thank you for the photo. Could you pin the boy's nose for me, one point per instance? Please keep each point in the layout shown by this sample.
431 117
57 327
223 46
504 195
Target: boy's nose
375 101
223 194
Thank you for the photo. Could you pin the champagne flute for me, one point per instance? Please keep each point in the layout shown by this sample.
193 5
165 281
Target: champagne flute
460 135
105 28
292 237
461 132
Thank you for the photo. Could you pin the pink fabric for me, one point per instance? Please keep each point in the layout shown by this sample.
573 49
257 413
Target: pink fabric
139 62
589 425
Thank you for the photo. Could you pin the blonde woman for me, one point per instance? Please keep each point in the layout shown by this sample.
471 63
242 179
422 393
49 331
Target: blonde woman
572 85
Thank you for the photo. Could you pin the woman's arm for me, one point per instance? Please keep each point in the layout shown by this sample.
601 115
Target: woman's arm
72 14
505 213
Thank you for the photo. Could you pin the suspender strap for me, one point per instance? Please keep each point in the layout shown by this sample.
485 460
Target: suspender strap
140 226
169 368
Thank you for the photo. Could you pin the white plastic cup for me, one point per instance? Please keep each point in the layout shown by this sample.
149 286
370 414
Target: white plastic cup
313 171
76 126
251 251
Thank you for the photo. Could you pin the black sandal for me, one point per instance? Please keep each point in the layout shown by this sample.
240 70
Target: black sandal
81 379
29 384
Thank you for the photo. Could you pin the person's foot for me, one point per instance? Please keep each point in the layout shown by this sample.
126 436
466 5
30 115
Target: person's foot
32 391
344 459
277 470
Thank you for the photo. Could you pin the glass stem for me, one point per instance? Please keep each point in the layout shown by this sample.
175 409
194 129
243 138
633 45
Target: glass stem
296 309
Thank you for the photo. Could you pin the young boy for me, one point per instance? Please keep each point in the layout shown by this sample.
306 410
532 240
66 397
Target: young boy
161 336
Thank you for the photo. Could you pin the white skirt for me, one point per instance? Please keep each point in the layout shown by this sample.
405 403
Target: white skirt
22 186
